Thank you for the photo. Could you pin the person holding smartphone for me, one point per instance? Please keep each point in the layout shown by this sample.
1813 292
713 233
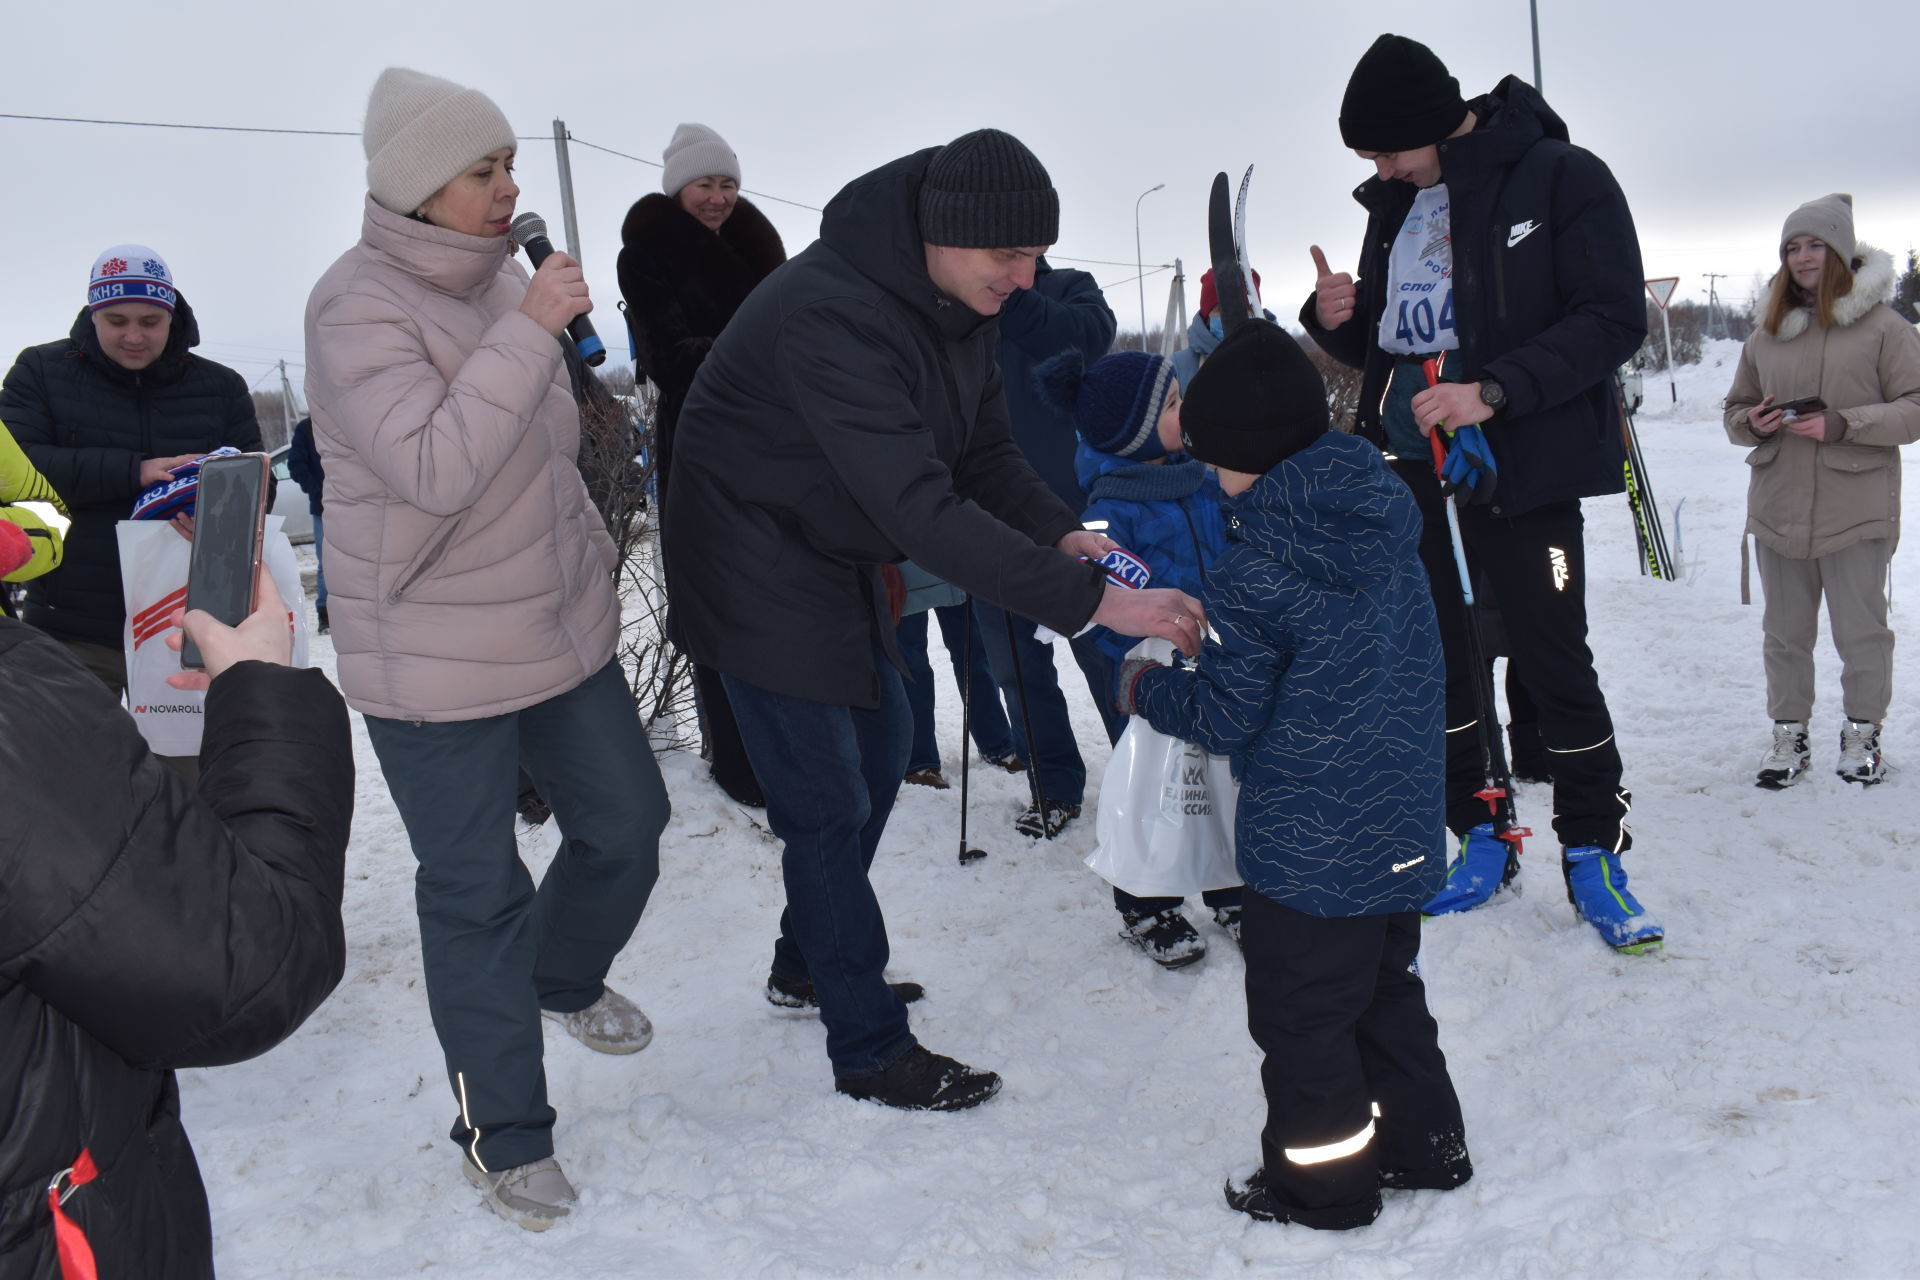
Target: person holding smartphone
470 587
148 926
1827 390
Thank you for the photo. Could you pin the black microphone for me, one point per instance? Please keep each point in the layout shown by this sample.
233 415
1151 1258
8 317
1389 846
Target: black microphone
529 231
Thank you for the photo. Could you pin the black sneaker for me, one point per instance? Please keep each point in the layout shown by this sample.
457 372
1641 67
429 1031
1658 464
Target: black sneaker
322 611
924 1081
1058 816
1255 1199
1168 938
798 993
1228 918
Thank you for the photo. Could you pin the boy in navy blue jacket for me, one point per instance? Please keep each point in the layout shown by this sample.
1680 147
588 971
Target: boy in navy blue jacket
1325 685
1163 506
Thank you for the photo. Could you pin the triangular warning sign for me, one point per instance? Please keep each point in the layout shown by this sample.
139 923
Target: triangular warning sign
1662 289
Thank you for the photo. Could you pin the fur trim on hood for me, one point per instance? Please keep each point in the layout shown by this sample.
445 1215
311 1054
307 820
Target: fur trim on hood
1873 284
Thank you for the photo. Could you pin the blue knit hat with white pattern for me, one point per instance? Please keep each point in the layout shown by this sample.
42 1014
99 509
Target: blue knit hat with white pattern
1116 404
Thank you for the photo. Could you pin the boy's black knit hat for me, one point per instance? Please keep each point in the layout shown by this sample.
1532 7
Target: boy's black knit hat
1399 98
985 190
1256 401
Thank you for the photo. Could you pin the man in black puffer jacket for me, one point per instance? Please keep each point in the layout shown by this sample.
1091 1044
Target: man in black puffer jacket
145 927
1496 244
852 416
105 413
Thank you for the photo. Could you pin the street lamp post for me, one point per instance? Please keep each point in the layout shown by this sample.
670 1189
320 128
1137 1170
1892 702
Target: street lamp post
1139 262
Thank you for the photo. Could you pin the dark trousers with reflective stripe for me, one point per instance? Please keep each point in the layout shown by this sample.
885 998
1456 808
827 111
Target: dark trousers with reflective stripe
1343 1020
496 949
1536 566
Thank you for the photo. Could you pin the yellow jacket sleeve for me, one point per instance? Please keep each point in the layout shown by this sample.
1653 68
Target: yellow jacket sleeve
19 482
45 541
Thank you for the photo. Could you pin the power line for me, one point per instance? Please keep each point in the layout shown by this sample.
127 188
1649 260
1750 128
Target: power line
573 138
1103 262
213 128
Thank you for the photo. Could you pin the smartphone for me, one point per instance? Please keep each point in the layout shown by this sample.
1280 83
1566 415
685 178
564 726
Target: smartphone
1805 404
229 520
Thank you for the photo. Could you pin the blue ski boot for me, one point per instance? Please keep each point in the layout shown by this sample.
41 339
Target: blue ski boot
1476 872
1597 887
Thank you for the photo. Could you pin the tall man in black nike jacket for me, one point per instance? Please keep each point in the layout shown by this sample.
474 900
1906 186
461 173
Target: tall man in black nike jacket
1494 243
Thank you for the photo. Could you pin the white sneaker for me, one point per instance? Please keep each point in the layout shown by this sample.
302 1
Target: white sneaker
534 1196
611 1024
1860 759
1787 759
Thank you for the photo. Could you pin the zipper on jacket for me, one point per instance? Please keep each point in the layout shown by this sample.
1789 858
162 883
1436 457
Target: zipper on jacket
426 561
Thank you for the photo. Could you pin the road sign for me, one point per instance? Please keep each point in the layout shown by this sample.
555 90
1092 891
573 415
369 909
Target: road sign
1662 289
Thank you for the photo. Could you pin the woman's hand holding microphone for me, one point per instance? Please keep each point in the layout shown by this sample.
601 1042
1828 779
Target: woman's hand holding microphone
556 294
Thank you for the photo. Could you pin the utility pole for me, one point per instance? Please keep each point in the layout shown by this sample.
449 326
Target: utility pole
1533 11
566 187
286 405
1713 304
1139 265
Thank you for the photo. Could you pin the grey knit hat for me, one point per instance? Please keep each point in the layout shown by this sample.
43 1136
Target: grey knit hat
1829 219
421 131
696 152
985 190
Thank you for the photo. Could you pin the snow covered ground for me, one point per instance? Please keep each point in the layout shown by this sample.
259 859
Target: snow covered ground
1742 1105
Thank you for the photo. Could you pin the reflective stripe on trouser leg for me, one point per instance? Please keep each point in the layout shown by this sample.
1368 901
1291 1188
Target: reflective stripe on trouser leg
1333 1150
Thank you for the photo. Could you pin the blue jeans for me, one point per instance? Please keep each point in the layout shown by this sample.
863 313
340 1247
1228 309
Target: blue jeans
496 950
319 565
830 775
1063 773
991 732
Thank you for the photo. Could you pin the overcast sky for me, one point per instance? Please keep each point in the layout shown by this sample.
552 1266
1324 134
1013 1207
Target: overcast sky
1718 118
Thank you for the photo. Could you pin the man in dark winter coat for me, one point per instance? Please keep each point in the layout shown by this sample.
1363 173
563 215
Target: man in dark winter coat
147 927
852 416
1495 243
305 470
104 414
689 256
1063 311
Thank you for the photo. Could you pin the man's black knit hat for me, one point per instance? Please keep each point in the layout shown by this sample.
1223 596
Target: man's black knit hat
1399 98
1256 401
985 190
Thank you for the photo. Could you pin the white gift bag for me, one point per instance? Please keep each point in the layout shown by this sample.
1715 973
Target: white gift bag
153 582
1164 828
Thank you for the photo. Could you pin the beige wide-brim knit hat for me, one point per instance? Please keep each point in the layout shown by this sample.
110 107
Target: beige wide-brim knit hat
696 152
421 132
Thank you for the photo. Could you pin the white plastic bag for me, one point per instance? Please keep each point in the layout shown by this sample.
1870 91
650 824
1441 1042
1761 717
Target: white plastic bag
153 581
1164 828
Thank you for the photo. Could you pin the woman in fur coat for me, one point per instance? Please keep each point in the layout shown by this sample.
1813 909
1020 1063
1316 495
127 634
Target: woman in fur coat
688 259
1827 391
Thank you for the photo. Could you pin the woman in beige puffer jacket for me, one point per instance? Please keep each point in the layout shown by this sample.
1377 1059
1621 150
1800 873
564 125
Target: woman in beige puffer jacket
1823 498
474 615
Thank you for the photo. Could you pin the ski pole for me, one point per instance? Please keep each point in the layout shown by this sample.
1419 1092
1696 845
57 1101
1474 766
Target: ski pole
1026 722
1497 789
966 735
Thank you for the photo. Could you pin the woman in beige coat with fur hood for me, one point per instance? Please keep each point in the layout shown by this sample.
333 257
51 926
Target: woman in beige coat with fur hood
474 614
1827 391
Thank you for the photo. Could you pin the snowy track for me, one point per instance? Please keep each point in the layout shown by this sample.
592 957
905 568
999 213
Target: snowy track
1742 1105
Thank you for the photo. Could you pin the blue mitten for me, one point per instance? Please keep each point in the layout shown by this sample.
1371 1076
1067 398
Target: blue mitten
1469 468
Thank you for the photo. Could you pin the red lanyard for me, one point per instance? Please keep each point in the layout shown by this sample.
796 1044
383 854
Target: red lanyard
76 1255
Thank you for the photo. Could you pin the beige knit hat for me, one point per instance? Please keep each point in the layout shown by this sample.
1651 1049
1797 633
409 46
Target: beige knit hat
696 152
1828 219
421 131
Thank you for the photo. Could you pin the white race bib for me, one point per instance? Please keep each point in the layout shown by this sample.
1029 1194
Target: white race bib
1419 314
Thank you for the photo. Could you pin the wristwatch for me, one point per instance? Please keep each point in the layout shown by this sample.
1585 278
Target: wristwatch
1493 395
